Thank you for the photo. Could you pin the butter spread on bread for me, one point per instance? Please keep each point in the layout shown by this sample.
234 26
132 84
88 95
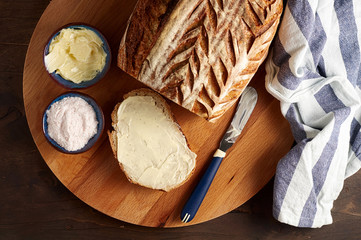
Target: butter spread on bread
149 145
200 54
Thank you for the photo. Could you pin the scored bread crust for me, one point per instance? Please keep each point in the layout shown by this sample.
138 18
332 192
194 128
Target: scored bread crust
200 54
160 102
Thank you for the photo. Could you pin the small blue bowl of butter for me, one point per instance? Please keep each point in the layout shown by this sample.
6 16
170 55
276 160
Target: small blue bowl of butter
77 56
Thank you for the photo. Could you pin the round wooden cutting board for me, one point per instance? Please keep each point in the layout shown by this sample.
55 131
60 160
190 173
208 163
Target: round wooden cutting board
94 176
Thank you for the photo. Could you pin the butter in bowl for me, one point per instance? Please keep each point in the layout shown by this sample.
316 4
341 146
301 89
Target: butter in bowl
77 56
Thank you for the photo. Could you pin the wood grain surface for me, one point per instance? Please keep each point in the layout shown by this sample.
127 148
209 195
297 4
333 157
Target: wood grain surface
94 176
35 205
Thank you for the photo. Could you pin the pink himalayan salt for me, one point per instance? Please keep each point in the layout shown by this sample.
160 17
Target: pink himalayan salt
71 123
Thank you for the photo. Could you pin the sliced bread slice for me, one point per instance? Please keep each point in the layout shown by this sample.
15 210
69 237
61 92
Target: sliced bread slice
148 143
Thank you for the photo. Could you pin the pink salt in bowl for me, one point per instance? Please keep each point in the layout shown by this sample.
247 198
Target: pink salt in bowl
98 115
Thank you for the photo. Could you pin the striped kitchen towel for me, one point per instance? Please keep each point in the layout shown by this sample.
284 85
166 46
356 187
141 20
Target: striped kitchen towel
314 70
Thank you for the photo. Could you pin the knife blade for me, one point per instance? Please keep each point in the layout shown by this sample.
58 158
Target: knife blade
244 110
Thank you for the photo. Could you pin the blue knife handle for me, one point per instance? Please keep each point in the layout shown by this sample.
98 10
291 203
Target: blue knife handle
195 200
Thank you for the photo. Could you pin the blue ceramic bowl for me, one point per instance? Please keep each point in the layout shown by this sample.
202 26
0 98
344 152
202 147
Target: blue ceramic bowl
69 84
99 116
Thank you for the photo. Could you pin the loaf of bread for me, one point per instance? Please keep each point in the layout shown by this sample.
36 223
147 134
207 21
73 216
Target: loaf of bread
200 54
149 145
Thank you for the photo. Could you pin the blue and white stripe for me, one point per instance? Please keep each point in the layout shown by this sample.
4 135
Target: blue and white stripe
314 69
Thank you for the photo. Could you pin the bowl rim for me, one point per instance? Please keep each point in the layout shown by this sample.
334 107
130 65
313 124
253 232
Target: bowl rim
100 118
67 84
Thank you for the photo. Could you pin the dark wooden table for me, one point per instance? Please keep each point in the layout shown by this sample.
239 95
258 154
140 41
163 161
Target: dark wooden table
35 205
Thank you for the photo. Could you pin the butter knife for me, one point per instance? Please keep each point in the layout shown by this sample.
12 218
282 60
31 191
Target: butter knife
244 109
